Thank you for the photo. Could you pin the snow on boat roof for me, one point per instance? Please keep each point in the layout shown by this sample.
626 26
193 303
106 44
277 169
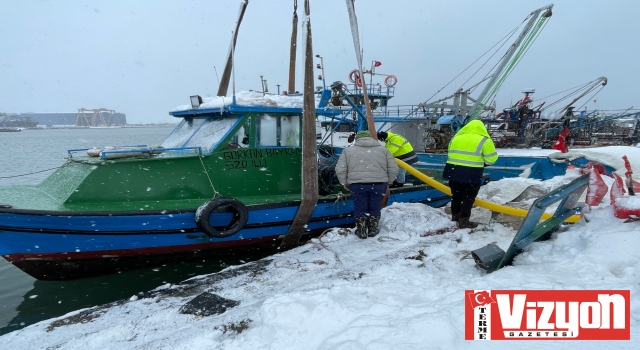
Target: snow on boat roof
248 98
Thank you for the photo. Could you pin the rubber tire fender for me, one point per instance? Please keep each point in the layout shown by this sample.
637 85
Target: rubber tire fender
240 217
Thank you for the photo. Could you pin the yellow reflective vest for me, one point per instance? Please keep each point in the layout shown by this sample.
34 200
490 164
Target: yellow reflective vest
397 144
472 146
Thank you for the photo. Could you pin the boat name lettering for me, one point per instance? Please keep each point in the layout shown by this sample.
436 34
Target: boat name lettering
243 153
278 152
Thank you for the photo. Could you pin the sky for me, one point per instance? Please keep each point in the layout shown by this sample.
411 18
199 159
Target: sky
145 57
403 289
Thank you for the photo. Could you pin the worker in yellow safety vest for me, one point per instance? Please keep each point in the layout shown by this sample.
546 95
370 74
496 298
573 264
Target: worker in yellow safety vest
400 148
470 150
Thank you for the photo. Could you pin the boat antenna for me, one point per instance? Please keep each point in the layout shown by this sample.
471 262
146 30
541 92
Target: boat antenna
216 70
217 78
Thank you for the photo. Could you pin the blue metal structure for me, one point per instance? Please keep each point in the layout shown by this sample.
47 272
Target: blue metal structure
531 230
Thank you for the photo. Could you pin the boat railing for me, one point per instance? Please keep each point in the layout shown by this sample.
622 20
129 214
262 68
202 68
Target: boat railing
74 150
374 90
405 112
136 151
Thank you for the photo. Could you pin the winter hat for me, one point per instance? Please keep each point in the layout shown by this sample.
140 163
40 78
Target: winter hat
382 135
362 134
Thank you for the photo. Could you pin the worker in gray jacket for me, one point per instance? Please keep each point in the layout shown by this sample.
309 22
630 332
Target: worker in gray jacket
366 169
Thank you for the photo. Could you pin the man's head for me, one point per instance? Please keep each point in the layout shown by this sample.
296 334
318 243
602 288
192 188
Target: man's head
362 134
382 136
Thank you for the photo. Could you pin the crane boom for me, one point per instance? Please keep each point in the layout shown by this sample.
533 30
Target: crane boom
537 19
602 81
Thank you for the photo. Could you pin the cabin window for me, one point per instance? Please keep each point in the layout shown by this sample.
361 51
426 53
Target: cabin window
181 134
240 139
279 131
200 132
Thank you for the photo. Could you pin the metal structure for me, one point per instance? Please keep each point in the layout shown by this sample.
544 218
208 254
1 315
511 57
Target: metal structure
97 117
492 258
522 125
450 118
537 20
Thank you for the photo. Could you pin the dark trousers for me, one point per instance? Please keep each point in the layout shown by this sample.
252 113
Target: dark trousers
367 198
462 197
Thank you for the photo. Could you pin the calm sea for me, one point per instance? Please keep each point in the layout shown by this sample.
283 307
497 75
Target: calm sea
24 300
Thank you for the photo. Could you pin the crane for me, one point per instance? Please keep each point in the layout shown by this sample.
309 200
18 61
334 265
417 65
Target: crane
537 20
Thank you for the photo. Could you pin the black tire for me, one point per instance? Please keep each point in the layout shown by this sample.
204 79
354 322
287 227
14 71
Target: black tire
240 217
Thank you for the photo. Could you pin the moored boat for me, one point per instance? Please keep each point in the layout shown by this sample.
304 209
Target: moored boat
227 179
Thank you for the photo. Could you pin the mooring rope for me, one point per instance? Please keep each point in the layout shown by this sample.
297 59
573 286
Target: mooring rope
37 172
340 198
215 193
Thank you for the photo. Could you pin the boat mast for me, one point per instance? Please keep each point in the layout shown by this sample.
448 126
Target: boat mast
309 168
292 52
223 88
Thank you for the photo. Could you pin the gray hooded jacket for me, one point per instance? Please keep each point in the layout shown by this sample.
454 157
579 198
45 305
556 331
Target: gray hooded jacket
366 162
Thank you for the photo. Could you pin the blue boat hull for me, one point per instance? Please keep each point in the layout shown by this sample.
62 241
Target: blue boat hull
68 245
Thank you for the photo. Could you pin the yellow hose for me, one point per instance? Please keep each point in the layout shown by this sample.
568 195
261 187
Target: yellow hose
479 202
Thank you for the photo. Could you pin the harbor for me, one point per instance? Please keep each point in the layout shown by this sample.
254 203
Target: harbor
239 219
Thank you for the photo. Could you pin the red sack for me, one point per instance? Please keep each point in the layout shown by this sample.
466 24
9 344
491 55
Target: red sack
596 189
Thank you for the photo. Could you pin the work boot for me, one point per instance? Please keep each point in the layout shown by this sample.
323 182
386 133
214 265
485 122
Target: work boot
396 184
361 227
374 229
455 217
465 223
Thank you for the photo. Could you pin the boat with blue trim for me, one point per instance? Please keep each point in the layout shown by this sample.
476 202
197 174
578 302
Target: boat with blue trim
227 179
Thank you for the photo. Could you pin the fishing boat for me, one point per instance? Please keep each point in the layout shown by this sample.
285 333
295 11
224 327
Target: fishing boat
228 176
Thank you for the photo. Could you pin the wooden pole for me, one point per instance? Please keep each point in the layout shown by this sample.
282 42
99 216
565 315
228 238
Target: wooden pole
292 52
309 169
226 75
356 44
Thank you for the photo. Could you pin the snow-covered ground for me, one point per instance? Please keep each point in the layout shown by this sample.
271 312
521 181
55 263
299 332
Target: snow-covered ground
403 289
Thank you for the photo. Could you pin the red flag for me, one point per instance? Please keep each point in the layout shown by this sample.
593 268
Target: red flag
560 143
377 63
480 298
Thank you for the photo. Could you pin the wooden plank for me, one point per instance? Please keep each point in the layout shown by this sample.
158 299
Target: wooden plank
309 170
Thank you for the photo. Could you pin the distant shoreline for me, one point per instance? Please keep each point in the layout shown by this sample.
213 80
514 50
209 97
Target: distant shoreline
56 127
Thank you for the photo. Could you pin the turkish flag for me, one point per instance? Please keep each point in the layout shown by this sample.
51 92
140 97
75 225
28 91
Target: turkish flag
377 63
480 298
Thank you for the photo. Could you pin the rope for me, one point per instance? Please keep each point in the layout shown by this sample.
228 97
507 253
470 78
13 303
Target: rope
579 87
591 97
469 66
490 57
36 172
335 254
215 193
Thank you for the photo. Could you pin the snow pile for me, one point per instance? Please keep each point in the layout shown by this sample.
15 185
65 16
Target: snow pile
248 98
403 289
400 290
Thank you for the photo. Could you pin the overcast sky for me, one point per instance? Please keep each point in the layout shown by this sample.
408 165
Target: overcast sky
145 57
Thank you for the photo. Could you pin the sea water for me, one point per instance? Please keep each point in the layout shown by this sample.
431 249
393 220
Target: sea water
25 158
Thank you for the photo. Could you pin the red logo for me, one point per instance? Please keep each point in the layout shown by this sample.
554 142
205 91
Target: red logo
480 299
547 315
